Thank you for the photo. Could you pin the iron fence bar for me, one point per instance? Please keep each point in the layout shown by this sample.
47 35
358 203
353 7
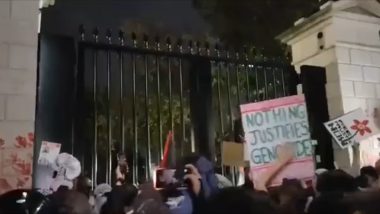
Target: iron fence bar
170 79
237 79
220 100
80 78
183 130
122 98
285 92
257 83
231 121
74 116
147 118
229 97
94 168
246 66
274 82
158 85
265 84
134 117
109 115
218 79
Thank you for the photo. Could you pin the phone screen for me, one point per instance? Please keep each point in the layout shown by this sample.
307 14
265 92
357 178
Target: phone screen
164 177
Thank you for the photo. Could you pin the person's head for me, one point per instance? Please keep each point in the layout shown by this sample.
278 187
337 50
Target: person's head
370 173
363 202
292 196
83 184
149 201
238 200
22 201
291 189
335 181
119 199
67 202
318 173
101 193
377 166
362 182
328 203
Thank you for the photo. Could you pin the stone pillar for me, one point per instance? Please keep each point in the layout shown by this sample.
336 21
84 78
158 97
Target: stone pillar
19 21
344 38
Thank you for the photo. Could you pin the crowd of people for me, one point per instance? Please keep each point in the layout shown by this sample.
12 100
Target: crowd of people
331 191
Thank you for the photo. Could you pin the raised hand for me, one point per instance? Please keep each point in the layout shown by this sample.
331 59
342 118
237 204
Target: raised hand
194 177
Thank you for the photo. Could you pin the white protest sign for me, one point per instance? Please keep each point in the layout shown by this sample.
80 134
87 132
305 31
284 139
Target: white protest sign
274 122
351 128
48 153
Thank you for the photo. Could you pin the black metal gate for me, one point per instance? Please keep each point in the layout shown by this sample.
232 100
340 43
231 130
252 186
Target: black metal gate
130 93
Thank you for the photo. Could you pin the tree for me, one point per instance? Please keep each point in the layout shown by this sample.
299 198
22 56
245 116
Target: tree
254 23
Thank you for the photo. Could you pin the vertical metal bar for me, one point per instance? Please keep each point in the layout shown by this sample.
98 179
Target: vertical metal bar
247 82
218 79
283 83
173 145
266 83
122 107
169 47
192 139
274 81
246 66
158 85
109 114
219 68
237 78
257 83
74 111
231 121
181 100
94 168
147 119
229 94
80 78
233 175
134 117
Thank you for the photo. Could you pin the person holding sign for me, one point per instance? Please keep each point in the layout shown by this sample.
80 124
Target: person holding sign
267 126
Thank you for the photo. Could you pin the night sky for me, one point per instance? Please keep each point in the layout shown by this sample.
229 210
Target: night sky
176 15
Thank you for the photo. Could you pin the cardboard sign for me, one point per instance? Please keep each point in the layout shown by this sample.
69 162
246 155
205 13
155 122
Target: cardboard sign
351 128
271 123
48 153
233 154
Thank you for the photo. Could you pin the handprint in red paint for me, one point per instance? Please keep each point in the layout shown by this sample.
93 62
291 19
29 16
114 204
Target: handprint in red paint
23 167
21 142
21 181
14 158
2 143
31 137
4 186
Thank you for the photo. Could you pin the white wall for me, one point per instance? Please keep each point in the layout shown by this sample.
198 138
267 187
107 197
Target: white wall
18 73
351 56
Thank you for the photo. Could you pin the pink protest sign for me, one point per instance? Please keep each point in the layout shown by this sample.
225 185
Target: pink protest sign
271 123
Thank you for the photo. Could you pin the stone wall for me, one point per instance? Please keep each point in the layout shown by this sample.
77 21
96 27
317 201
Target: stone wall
19 20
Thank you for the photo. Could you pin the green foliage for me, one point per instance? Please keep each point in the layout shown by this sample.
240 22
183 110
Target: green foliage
254 23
